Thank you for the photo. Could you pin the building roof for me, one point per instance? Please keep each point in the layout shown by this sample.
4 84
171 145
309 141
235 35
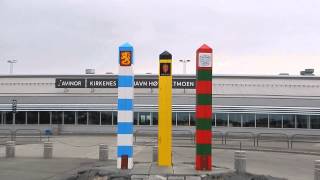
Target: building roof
237 76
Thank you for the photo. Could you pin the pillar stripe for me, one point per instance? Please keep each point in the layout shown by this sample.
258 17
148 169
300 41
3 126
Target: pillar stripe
204 124
204 87
126 70
125 128
125 150
125 81
125 93
203 111
204 99
125 139
125 116
125 47
125 104
203 149
204 75
203 137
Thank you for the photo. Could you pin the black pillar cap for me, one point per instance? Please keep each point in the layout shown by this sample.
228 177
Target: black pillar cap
165 55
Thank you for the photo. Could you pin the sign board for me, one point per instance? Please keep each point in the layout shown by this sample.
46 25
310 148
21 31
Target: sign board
165 69
146 83
70 83
184 83
113 83
102 83
205 60
125 58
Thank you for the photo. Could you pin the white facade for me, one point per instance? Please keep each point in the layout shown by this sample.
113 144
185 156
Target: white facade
236 101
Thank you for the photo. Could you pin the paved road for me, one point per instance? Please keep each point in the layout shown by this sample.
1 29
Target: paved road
84 149
286 165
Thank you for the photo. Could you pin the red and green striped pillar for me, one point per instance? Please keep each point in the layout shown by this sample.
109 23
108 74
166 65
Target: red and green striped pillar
204 108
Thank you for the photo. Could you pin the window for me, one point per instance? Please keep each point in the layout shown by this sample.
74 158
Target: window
154 118
135 118
44 117
288 120
7 118
192 119
234 120
302 121
144 118
262 120
183 118
213 119
82 117
275 120
32 117
115 117
69 117
106 118
174 119
315 122
248 120
94 117
21 117
222 119
56 117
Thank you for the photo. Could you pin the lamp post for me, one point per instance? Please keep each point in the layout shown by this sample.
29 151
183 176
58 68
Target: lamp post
184 61
11 65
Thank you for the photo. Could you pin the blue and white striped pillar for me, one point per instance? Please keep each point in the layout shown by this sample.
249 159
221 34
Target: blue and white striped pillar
125 107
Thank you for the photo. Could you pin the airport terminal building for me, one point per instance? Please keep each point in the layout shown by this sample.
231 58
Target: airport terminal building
85 103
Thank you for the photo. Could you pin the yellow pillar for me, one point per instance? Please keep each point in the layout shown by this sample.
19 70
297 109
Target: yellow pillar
165 110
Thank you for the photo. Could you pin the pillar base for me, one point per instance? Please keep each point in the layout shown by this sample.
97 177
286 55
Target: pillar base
130 163
203 162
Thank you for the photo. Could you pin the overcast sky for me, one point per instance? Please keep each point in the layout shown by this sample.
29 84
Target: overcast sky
248 36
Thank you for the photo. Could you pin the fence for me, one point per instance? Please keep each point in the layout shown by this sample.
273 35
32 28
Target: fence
5 135
217 135
239 136
304 138
176 134
27 136
22 136
272 137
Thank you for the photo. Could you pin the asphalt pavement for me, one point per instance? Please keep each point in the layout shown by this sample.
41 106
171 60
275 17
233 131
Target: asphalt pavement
72 153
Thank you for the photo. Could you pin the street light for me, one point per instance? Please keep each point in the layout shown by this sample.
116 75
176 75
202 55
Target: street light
184 61
11 65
